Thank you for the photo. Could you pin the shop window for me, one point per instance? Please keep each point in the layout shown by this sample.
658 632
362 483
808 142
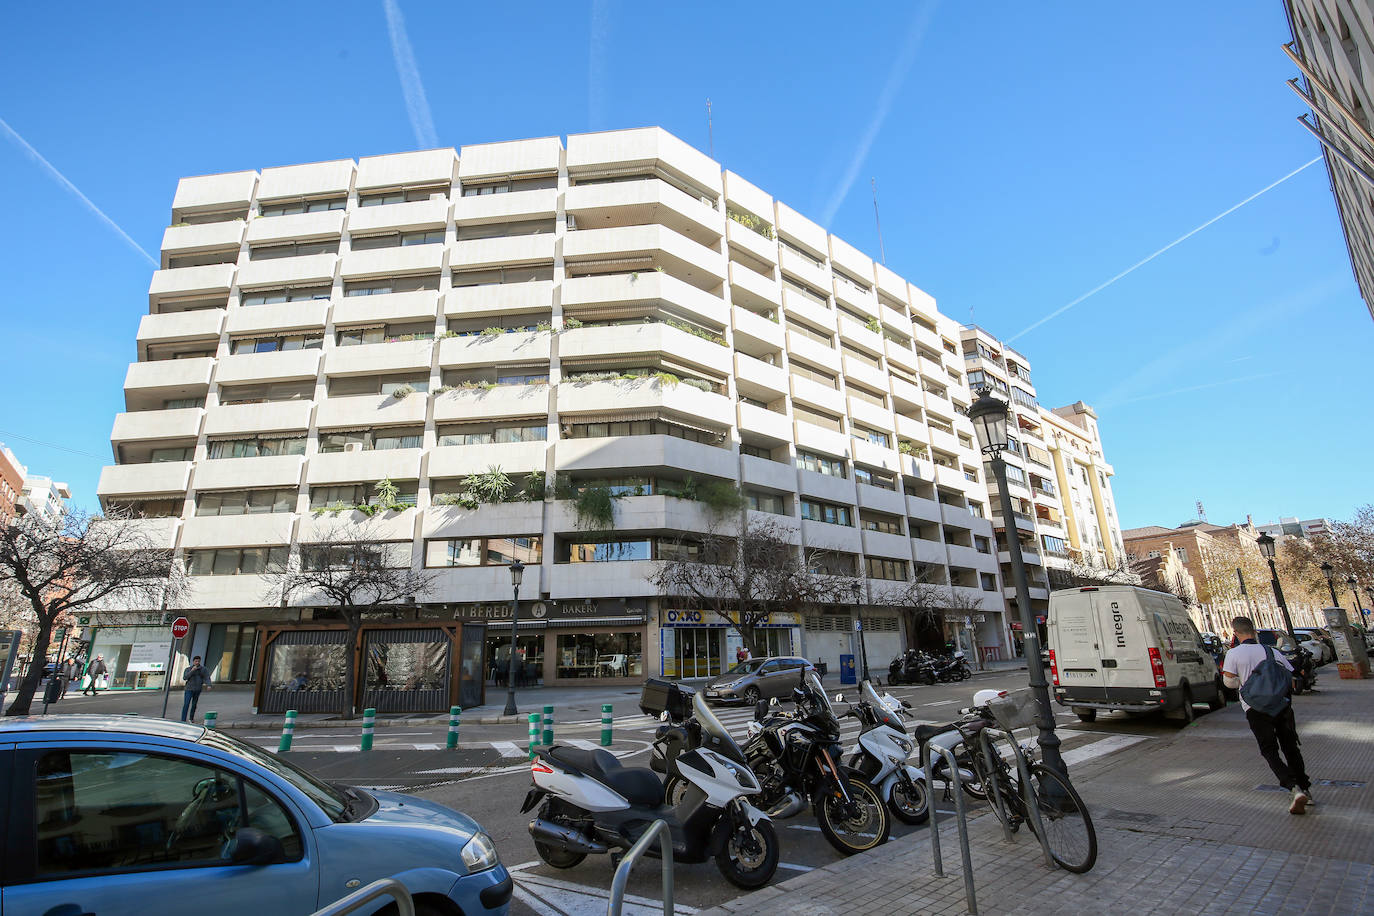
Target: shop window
529 658
589 655
307 669
605 551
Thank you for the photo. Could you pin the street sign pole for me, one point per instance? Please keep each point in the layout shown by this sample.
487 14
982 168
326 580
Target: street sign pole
180 627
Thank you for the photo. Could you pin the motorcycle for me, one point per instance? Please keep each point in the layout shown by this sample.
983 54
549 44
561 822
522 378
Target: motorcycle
881 755
1304 668
590 804
912 667
954 668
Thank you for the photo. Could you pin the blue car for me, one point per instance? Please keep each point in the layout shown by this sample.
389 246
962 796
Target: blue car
123 816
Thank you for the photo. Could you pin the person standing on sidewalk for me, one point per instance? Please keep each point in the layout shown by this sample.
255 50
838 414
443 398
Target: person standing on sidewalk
1277 735
97 670
67 671
196 679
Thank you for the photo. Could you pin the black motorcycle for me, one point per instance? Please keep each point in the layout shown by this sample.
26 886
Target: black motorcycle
911 667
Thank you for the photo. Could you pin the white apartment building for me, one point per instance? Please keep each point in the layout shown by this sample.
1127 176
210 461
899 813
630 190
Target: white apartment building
44 496
1293 527
619 312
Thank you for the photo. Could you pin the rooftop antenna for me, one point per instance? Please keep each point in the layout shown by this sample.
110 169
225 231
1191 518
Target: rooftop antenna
882 252
1201 513
710 131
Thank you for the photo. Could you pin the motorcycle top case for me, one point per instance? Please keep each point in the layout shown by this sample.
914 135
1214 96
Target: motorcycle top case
659 696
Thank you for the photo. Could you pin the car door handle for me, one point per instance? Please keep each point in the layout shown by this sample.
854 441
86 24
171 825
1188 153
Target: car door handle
67 909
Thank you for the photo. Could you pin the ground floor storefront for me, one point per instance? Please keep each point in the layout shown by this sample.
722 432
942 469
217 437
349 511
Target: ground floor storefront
134 647
695 643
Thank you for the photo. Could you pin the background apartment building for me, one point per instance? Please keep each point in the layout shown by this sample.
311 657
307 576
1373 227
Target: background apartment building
618 312
11 485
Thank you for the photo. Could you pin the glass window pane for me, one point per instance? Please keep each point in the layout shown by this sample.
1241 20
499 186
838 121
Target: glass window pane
226 562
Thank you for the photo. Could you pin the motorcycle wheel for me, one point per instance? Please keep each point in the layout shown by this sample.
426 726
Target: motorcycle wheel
910 802
558 858
928 678
745 867
868 829
673 791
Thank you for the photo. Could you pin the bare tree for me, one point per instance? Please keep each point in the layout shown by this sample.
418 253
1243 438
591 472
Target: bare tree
352 572
1085 572
919 602
76 561
744 577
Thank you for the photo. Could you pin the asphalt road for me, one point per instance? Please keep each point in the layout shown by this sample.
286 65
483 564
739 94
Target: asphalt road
487 778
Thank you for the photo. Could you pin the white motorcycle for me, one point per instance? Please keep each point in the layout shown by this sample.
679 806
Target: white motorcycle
592 805
881 755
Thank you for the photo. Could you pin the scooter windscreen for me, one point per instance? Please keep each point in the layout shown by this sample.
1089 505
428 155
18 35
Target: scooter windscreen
712 726
818 696
881 711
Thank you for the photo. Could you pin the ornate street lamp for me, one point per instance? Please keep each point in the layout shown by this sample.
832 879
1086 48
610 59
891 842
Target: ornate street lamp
1330 572
1354 593
989 416
1268 548
517 572
858 590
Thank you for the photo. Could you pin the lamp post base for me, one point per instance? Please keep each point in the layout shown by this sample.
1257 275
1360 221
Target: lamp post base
510 703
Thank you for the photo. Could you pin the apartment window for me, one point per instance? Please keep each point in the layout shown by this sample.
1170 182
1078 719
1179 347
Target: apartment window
829 513
801 253
817 418
765 502
387 333
881 568
360 494
246 502
276 344
503 230
401 196
1054 546
385 286
1024 398
234 561
375 384
523 377
982 544
872 435
183 403
831 563
1181 553
880 479
179 351
805 330
619 486
856 354
487 434
489 551
258 448
172 453
830 467
511 185
292 207
370 439
988 582
757 451
292 250
136 508
397 240
213 216
204 258
975 509
275 296
639 428
605 551
492 276
802 370
884 524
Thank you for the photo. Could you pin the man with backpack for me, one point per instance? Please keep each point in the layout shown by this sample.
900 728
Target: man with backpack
1265 680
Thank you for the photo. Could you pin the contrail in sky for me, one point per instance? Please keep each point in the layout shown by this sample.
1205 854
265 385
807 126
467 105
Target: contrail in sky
417 106
61 179
596 63
1204 385
1182 238
900 68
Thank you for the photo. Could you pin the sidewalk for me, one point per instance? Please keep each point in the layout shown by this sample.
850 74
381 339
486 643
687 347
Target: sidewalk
1188 824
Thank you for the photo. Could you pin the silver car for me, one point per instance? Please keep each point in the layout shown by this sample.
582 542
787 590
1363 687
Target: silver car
758 679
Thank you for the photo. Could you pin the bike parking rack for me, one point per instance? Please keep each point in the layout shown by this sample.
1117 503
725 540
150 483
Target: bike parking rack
382 887
985 737
660 831
956 790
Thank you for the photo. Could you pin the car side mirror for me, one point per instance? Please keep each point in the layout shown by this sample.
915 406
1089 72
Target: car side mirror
251 846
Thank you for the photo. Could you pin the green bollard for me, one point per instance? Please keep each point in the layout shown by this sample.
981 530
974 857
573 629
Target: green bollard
548 726
369 723
211 718
534 733
453 714
605 724
287 728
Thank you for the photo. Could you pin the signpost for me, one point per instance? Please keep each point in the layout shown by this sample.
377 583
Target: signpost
180 627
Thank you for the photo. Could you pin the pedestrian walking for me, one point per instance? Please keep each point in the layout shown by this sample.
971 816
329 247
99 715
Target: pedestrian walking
96 671
67 671
1265 680
196 679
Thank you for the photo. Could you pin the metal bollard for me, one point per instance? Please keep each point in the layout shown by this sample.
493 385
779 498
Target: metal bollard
534 733
287 729
369 723
453 714
548 726
605 724
211 719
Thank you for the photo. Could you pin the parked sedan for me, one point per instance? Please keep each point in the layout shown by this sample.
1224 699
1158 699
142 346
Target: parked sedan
121 816
1314 640
757 679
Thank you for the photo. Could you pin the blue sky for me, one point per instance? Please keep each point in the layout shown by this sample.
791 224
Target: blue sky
1024 154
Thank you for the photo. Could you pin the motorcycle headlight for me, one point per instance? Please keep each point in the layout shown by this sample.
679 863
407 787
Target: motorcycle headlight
903 744
480 853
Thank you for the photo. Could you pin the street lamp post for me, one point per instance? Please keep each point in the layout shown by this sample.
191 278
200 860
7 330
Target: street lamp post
517 572
989 416
1330 572
1266 546
1354 593
858 591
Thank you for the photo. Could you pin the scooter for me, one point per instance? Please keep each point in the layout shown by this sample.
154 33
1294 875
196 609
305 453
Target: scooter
591 804
881 755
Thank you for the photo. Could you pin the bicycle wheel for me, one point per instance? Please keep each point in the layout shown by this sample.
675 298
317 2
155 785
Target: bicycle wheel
1069 829
1008 790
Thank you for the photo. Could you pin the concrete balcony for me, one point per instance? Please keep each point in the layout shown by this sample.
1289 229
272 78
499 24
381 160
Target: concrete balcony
515 518
871 497
889 282
402 217
500 401
970 558
927 510
503 208
760 380
628 578
874 455
813 352
202 237
810 436
906 394
952 478
628 454
650 286
394 170
643 340
367 359
240 591
392 525
932 367
854 333
144 479
645 514
823 486
503 299
415 306
215 192
647 147
391 262
240 473
505 251
944 441
893 317
368 411
766 423
800 305
817 395
313 179
513 347
804 270
175 282
824 536
182 423
643 202
683 258
615 396
462 460
775 475
155 533
927 337
855 299
930 553
786 527
745 239
248 419
297 227
939 406
269 367
959 517
365 467
267 529
870 415
202 324
892 546
178 374
844 255
755 330
914 466
861 372
308 269
282 316
484 584
751 288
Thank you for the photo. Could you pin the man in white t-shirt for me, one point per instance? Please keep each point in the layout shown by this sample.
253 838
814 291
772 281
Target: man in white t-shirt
1273 733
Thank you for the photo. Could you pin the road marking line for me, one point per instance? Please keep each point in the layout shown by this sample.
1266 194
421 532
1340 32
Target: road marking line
803 827
507 749
1100 748
583 743
940 703
426 747
577 899
344 748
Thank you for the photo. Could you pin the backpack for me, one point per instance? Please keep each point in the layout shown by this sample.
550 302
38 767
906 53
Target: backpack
1268 686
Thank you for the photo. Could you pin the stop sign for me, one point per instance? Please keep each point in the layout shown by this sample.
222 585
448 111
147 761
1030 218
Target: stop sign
180 627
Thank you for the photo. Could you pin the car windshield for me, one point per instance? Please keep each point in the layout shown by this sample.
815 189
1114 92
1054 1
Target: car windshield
748 667
331 801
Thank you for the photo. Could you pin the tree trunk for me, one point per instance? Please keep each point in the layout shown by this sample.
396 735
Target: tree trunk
23 700
349 709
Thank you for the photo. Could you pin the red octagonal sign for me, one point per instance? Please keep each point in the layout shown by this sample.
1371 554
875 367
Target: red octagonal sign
180 627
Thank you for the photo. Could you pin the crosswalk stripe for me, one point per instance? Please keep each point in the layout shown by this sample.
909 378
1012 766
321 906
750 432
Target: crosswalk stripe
426 747
1099 748
583 743
507 749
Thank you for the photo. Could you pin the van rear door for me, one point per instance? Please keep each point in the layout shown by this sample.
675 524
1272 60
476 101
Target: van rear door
1126 644
1076 643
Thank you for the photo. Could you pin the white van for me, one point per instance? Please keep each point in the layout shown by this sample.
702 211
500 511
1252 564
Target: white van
1128 648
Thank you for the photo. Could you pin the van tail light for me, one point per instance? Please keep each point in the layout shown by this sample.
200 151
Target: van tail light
1157 666
1054 669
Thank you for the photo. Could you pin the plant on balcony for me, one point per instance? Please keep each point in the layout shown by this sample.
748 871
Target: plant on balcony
449 333
904 447
698 384
690 329
491 486
602 376
442 389
571 324
874 325
534 488
750 221
544 326
595 508
455 499
477 385
404 391
634 275
666 379
489 333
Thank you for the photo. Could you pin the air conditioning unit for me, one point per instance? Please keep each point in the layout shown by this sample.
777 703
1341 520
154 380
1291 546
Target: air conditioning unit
353 447
572 222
